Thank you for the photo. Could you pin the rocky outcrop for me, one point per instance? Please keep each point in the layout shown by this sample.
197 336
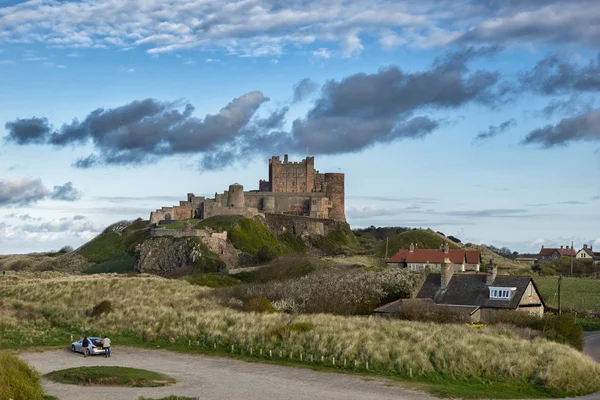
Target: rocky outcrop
170 256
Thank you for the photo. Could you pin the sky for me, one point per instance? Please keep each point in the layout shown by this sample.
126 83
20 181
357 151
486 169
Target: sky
476 118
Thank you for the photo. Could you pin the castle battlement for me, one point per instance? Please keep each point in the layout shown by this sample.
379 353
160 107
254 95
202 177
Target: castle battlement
294 188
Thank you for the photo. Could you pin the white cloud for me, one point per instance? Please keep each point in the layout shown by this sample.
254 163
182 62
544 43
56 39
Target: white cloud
73 55
7 62
597 242
322 53
131 70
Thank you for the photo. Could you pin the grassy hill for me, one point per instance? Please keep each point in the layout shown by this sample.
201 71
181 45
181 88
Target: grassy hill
422 238
502 262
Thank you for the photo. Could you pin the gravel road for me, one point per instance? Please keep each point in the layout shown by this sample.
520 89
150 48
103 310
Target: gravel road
208 377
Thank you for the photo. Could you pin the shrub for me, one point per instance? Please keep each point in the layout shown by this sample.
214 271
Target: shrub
17 380
283 268
214 280
261 305
104 307
66 249
264 255
428 312
284 331
546 270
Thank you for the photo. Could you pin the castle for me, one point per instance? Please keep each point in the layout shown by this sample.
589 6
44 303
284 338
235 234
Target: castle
293 188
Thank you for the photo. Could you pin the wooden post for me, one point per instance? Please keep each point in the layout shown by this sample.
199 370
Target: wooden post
300 356
367 365
559 299
189 342
333 360
271 353
280 354
410 372
311 358
251 350
215 345
322 358
261 351
344 363
291 355
232 348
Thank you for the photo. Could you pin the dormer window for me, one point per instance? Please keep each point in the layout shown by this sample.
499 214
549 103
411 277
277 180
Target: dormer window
502 293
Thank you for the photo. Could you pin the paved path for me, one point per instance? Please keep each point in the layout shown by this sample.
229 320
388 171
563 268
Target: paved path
215 378
592 345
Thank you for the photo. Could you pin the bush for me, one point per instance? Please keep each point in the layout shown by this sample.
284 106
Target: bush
428 312
283 268
214 280
264 255
261 305
66 249
284 331
546 270
104 307
17 380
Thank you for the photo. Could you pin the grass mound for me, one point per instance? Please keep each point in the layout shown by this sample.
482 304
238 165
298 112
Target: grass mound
110 376
17 380
214 280
422 238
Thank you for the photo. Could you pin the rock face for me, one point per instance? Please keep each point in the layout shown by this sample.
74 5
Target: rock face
169 256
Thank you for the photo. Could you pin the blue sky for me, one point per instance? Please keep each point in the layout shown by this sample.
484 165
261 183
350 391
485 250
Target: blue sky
479 119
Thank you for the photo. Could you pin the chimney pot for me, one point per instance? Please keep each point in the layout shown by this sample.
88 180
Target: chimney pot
585 246
561 247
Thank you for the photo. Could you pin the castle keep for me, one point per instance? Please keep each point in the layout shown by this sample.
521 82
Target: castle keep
293 188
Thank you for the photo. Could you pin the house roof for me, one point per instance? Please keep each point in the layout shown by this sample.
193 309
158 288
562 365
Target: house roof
548 251
395 305
471 290
435 256
588 251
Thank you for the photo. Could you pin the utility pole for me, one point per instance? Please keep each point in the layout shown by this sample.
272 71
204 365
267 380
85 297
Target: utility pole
387 241
559 300
572 258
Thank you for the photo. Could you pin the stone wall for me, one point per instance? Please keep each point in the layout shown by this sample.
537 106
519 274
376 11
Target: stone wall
301 226
291 177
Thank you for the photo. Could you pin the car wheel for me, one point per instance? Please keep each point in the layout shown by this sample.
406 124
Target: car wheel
73 348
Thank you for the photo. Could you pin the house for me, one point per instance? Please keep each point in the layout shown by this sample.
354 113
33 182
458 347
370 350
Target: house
531 261
417 259
551 253
478 294
587 253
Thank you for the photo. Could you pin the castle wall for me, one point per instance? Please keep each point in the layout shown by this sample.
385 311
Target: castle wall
335 193
294 203
291 177
279 223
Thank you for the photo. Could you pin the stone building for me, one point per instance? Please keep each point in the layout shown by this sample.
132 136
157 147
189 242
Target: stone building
293 188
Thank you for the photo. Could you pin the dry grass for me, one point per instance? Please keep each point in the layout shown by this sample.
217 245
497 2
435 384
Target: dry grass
501 262
153 308
367 261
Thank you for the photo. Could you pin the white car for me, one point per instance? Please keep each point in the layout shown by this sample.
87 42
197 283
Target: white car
95 346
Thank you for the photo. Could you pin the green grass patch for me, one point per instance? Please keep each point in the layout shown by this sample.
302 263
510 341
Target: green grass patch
341 238
219 223
214 280
588 324
104 247
119 265
209 261
576 293
180 224
423 238
17 380
110 376
250 236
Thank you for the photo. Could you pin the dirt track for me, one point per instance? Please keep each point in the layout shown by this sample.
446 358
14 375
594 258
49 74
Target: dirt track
214 378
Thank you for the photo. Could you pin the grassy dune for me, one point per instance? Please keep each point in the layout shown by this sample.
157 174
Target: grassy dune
110 376
151 310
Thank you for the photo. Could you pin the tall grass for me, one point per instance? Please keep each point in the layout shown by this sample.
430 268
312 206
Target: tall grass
17 380
157 310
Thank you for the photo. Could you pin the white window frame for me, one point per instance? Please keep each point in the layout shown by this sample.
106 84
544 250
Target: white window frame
501 293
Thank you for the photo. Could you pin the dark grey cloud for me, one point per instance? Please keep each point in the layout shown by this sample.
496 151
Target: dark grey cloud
491 213
25 191
571 202
304 88
65 192
348 116
581 127
537 205
554 75
574 104
78 217
596 198
495 130
28 130
393 199
22 217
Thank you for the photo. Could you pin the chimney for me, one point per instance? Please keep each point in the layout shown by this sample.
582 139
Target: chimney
585 246
447 272
542 246
411 248
561 247
490 274
446 248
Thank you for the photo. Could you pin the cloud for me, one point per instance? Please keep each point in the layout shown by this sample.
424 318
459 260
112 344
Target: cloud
7 62
78 217
65 192
28 131
581 127
573 104
571 202
350 115
531 22
553 75
25 191
304 88
490 213
495 130
322 53
22 217
596 198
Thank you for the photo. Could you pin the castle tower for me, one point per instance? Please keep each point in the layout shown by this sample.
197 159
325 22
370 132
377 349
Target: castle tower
235 196
334 190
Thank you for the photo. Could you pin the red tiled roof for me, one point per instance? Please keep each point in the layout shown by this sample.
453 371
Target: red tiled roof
473 256
436 256
566 252
546 251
